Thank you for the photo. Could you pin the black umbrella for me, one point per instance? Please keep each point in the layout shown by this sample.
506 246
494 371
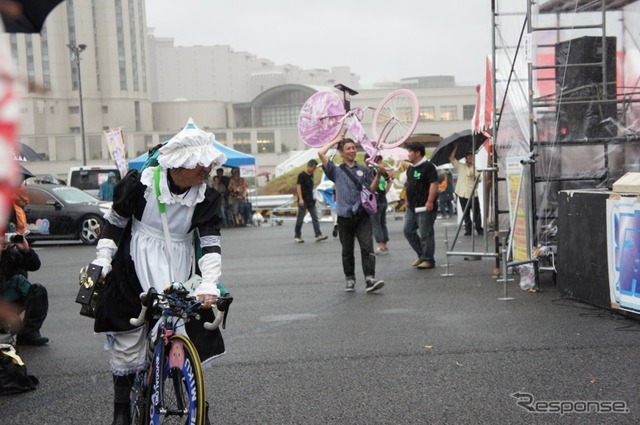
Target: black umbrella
465 140
24 172
30 17
28 154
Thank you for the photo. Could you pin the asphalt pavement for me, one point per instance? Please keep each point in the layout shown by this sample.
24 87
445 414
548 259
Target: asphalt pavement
426 349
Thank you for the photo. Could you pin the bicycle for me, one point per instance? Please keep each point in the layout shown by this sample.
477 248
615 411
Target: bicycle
172 389
324 114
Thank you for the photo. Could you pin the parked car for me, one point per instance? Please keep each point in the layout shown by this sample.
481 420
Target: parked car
90 178
45 179
57 212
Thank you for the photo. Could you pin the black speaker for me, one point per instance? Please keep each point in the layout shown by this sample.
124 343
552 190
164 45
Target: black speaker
585 104
582 263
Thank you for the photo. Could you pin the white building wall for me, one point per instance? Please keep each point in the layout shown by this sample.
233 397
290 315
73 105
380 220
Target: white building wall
173 116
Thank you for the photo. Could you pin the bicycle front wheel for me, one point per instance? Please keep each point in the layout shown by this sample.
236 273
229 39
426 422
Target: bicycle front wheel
320 119
176 388
395 118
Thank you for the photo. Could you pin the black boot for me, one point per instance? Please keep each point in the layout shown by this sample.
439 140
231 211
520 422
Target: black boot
36 307
121 414
122 399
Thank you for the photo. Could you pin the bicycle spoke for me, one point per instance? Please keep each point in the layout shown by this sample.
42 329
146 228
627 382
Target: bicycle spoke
395 118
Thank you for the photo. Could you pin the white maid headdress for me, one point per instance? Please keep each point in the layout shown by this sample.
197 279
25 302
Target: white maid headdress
190 147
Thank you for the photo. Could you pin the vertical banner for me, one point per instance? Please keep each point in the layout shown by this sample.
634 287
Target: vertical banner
9 129
623 251
115 143
515 180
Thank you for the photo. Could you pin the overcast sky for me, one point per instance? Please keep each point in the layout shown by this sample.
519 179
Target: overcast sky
381 40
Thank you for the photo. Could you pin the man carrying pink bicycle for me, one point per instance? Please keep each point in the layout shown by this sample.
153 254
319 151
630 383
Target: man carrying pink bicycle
353 221
325 117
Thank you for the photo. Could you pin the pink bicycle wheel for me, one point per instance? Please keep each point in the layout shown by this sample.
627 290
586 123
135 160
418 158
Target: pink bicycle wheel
320 119
395 118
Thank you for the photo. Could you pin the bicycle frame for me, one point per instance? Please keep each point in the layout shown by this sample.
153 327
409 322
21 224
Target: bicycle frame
172 358
352 119
161 344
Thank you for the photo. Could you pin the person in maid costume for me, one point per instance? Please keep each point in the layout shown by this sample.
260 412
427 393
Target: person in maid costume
132 252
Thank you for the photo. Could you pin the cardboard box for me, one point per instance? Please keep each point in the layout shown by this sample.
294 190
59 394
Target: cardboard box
629 183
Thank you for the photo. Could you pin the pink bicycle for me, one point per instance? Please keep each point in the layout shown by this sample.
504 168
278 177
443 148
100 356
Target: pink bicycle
324 114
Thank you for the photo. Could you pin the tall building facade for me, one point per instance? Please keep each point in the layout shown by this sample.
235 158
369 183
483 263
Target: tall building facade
114 77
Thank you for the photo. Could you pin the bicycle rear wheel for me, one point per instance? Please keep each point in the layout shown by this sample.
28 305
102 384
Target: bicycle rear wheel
395 118
176 390
320 118
139 399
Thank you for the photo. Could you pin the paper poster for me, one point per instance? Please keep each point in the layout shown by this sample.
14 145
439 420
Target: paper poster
518 208
623 251
115 143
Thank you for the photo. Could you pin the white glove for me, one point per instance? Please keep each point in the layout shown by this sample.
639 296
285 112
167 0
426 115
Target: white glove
105 250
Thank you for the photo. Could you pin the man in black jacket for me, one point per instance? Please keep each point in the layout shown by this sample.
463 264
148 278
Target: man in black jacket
16 260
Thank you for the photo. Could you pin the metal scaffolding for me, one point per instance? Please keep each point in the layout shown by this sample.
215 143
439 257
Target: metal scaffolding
566 115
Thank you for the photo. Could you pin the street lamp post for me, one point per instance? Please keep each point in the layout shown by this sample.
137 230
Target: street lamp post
75 51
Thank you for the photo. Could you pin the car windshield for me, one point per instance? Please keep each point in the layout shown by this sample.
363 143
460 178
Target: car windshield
71 195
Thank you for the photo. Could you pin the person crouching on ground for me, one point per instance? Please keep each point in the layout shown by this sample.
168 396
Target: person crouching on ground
16 260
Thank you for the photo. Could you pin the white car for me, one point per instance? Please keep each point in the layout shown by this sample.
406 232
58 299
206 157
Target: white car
89 178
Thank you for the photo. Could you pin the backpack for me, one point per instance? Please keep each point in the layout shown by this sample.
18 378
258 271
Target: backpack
14 378
152 160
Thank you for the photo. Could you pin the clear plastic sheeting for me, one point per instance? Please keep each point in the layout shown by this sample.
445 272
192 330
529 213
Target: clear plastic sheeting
566 93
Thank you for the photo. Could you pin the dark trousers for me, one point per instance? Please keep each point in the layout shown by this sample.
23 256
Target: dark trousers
379 224
358 226
36 307
445 199
314 220
467 215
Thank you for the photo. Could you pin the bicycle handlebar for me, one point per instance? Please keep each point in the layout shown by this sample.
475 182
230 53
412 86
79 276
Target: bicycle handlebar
150 298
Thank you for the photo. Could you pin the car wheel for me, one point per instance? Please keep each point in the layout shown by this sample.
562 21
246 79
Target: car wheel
90 229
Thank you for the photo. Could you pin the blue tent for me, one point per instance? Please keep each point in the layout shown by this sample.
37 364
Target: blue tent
234 158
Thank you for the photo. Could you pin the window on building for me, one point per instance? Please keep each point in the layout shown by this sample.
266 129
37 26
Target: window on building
221 137
105 109
74 130
427 113
448 113
467 111
74 109
280 115
242 141
266 142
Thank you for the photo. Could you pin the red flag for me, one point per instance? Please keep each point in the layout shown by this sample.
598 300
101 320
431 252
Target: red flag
9 123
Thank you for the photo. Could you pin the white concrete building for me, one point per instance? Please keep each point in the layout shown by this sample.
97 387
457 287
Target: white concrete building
114 78
149 88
